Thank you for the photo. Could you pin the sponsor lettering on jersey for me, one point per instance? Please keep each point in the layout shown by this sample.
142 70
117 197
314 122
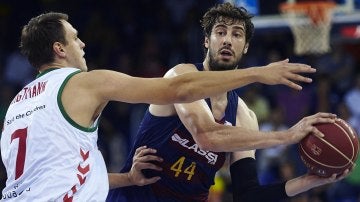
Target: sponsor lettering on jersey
210 156
13 194
23 115
30 92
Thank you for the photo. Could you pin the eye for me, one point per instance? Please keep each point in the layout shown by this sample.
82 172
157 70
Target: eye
238 34
221 33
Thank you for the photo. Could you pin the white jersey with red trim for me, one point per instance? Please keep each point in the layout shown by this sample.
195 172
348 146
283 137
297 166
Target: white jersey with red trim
47 156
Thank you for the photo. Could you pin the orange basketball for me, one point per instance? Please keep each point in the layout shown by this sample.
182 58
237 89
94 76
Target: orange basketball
334 153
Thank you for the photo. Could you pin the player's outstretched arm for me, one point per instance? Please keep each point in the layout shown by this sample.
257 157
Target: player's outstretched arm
141 160
189 86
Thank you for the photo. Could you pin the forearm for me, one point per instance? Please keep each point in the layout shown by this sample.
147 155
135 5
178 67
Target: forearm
182 88
298 185
117 180
228 139
198 85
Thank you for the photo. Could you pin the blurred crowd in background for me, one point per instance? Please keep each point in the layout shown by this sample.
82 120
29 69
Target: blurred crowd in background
145 38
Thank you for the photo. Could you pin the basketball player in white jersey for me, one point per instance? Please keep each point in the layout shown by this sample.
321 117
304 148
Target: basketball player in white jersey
48 142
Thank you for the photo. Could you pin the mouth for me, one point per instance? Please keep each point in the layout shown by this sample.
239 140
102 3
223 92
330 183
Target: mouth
226 53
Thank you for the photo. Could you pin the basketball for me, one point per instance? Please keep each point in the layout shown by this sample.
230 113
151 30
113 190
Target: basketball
334 153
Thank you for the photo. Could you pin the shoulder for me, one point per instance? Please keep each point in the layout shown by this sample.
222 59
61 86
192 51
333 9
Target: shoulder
99 77
180 69
244 109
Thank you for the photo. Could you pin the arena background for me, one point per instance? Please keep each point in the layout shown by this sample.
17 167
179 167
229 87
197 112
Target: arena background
147 37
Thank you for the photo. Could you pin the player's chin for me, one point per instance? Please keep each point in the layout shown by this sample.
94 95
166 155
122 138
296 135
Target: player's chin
228 64
226 60
230 61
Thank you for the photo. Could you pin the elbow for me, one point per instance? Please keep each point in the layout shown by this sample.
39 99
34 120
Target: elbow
205 135
184 91
205 142
185 94
182 96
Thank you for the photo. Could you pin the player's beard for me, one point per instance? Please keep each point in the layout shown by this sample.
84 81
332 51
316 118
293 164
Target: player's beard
217 65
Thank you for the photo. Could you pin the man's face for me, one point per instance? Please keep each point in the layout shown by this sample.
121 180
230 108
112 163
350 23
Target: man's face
74 50
226 44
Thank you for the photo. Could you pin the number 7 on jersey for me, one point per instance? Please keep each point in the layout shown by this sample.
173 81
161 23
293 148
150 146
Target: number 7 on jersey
20 158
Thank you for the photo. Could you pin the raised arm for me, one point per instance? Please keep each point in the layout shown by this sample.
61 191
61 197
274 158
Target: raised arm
110 85
87 93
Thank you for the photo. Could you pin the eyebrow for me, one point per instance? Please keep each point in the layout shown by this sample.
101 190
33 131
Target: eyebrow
219 25
224 26
239 27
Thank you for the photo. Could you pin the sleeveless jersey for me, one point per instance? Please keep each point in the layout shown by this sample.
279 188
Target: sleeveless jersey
47 156
188 171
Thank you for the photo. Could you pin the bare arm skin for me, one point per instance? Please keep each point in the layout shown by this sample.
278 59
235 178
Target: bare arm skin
109 85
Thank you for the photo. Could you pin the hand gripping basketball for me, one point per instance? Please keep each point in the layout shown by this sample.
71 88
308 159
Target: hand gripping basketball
333 153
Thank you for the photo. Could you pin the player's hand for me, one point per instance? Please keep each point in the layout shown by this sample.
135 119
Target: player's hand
316 181
285 73
306 126
142 160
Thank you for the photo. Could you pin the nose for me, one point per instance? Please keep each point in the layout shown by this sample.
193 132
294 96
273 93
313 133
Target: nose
82 44
227 40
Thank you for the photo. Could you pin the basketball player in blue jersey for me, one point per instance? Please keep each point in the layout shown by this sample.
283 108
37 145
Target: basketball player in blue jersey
193 139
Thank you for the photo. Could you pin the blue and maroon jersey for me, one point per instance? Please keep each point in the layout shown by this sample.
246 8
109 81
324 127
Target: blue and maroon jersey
188 171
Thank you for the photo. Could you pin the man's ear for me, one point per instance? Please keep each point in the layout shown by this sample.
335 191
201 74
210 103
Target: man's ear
206 42
58 49
246 48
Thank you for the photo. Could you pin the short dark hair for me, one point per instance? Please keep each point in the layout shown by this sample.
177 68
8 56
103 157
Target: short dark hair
39 35
231 12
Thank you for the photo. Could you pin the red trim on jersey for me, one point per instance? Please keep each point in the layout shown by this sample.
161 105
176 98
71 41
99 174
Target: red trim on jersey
81 177
84 155
83 170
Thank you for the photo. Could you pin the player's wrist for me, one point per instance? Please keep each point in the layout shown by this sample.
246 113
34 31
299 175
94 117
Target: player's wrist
283 137
255 74
129 179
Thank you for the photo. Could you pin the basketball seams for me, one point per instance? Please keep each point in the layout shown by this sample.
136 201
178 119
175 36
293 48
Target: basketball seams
352 132
353 135
318 162
349 138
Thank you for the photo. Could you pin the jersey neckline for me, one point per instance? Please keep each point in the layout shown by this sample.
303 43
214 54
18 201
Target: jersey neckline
46 71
